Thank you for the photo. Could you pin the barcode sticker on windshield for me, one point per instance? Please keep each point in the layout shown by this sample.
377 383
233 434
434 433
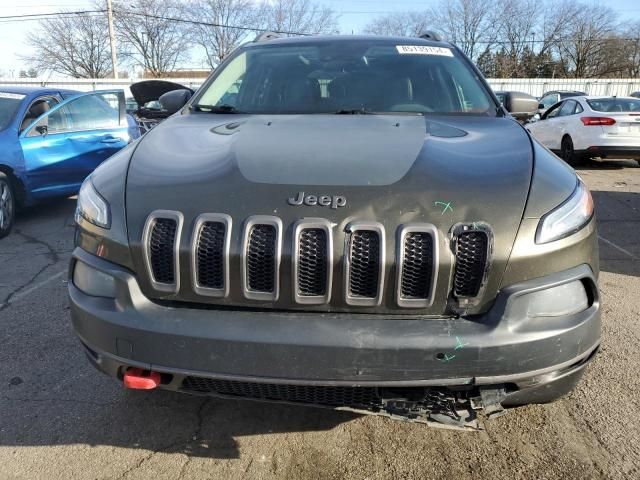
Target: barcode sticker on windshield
12 96
424 50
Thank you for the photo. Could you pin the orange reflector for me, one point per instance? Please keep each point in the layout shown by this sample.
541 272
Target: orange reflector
139 379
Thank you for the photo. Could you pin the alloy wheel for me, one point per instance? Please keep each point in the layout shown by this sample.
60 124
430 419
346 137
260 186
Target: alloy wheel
6 206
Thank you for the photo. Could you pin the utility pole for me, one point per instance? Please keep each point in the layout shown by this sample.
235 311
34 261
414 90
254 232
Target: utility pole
112 40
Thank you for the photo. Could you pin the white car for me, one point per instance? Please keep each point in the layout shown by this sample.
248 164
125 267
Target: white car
583 127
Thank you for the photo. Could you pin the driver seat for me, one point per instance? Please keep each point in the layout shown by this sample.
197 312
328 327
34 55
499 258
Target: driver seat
39 107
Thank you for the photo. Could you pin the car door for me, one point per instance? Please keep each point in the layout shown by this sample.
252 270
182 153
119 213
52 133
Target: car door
543 128
63 146
559 124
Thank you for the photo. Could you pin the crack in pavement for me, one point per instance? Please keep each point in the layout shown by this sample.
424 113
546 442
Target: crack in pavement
7 301
53 256
61 400
194 437
186 446
31 239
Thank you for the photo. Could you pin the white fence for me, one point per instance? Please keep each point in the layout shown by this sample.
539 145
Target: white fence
593 86
533 86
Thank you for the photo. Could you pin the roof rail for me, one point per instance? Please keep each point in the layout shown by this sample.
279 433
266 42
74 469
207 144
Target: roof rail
266 36
431 35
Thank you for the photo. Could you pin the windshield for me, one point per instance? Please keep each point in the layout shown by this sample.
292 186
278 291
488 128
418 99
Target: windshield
9 103
613 105
341 77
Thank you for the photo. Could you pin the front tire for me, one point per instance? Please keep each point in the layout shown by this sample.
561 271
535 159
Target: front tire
568 153
7 205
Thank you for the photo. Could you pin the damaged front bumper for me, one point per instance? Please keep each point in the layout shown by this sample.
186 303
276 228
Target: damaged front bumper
434 370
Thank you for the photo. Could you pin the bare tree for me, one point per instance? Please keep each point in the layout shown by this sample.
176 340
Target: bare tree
299 16
589 47
632 49
404 24
554 23
218 40
471 24
73 45
150 36
516 23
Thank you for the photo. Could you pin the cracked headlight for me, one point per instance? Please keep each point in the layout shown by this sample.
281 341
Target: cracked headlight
568 218
92 207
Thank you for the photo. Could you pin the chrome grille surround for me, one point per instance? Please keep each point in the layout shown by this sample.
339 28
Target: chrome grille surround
251 222
300 226
201 221
401 269
352 229
178 218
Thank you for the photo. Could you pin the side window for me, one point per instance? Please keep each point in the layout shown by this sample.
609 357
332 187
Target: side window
89 112
553 112
93 112
549 100
37 108
579 108
568 108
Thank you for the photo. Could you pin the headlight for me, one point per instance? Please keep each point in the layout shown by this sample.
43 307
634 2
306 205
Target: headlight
92 207
568 218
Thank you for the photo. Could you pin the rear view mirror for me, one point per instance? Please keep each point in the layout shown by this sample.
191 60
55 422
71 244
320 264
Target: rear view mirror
42 129
175 100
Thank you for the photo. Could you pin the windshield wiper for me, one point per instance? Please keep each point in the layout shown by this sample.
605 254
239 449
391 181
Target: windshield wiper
354 111
215 108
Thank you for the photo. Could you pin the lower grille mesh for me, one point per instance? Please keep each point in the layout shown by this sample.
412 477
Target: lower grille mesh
364 264
210 255
312 262
417 266
162 250
319 395
261 261
471 260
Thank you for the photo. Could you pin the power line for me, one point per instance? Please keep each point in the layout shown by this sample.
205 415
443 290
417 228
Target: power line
44 15
210 24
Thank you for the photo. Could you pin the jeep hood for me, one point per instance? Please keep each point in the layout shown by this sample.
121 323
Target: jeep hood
392 169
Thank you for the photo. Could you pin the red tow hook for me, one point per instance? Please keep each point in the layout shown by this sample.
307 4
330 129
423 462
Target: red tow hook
138 379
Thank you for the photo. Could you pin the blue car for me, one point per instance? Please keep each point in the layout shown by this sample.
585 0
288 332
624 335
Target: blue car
52 139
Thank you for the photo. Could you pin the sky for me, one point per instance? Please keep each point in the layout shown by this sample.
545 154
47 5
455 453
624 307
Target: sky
353 16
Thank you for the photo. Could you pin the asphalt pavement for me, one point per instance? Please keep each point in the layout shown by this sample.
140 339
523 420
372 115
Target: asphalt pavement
61 419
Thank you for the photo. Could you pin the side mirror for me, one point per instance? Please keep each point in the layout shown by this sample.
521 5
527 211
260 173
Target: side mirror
174 100
540 106
42 129
521 105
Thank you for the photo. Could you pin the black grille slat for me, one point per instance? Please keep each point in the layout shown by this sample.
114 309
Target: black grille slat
364 258
261 258
417 267
310 394
210 255
162 241
471 261
312 262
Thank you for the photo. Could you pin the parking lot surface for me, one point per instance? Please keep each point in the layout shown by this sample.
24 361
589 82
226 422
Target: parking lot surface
61 419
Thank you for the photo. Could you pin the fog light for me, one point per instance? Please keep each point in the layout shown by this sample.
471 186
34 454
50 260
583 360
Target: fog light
567 299
93 282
